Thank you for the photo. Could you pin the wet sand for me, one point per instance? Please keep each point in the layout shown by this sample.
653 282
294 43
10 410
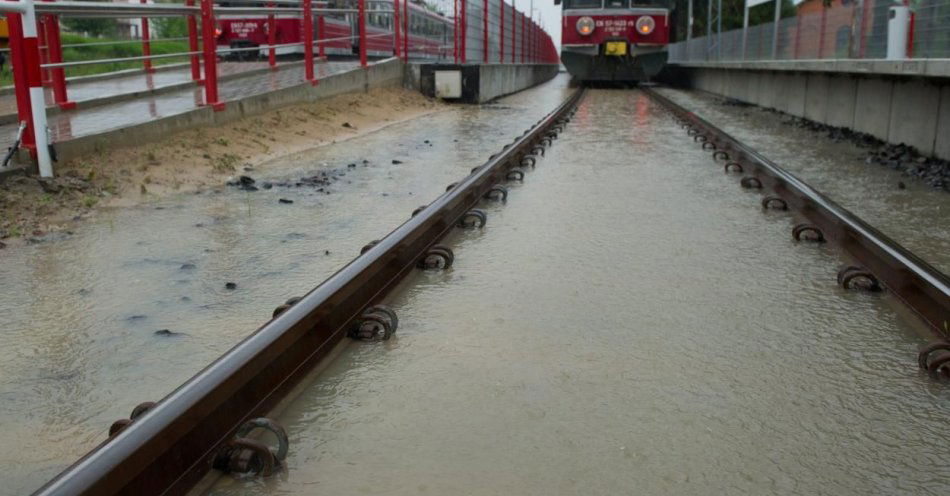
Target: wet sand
192 160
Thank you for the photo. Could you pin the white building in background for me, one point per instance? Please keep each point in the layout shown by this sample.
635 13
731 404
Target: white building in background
132 28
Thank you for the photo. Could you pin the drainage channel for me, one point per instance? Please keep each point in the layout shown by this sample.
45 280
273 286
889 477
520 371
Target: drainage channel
170 446
878 262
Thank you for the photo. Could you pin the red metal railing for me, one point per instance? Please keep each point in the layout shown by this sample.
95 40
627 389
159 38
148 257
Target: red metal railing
496 32
477 31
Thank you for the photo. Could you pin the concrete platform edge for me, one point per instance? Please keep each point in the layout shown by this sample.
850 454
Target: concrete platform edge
386 73
909 110
483 82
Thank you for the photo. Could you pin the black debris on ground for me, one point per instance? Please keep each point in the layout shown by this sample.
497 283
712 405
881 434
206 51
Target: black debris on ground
900 157
167 333
244 182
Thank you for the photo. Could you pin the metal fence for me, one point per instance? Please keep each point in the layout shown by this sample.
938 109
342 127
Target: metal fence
496 32
840 31
479 31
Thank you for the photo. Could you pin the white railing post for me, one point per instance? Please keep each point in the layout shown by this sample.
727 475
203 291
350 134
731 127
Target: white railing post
34 81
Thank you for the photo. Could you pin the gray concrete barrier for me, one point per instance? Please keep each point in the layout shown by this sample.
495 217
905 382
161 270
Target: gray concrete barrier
914 110
485 82
386 73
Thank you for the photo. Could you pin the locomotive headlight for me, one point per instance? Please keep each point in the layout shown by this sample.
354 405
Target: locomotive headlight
645 25
585 26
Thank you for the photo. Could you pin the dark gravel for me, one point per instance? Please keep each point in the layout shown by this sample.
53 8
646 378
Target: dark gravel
900 157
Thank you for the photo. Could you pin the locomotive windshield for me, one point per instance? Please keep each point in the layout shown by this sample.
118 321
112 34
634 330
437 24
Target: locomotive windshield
614 4
583 4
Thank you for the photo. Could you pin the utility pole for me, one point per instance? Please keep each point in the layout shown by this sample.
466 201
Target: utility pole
689 22
778 15
745 28
718 29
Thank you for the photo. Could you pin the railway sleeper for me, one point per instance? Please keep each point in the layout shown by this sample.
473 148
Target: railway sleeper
368 246
437 257
854 277
497 193
418 209
750 182
934 357
733 167
808 232
246 455
515 175
287 304
473 218
774 203
137 412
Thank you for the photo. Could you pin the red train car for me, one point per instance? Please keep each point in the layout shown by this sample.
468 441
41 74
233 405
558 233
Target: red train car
615 40
430 34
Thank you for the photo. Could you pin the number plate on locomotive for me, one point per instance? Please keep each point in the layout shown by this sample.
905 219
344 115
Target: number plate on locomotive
615 48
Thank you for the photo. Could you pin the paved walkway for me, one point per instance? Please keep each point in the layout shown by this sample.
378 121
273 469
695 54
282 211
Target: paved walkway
84 122
84 90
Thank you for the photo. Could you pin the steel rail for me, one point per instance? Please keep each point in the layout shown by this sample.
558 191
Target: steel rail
919 285
172 446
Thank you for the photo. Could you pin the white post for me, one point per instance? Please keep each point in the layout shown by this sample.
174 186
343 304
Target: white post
745 30
718 29
689 23
778 15
708 28
37 99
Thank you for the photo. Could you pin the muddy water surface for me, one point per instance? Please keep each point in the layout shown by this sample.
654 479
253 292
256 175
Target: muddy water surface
628 323
917 216
78 342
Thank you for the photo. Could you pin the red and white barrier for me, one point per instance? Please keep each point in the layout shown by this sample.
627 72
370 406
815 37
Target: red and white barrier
37 132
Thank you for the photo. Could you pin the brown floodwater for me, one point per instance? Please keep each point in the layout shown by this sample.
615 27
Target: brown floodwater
78 342
917 216
630 322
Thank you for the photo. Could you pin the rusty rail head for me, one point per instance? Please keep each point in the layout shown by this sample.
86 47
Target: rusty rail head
919 285
170 448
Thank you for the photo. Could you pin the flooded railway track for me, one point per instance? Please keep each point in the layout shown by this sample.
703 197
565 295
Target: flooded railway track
169 447
880 263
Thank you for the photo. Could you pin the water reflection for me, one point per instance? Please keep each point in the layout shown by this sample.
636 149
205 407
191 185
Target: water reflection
625 326
79 344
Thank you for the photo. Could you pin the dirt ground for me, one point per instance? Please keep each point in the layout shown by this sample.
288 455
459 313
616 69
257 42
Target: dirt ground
191 160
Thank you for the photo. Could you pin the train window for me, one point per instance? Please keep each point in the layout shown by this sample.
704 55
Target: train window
336 15
616 4
583 4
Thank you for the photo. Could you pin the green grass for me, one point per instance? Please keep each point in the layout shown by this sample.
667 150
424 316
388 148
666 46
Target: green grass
74 54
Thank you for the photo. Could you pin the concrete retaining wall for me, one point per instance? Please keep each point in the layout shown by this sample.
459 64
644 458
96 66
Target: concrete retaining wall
484 83
896 109
386 73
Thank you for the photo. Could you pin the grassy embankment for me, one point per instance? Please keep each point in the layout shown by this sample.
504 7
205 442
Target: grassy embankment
74 54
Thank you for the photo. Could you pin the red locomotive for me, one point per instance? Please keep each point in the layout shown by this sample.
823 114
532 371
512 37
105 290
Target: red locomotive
430 34
615 40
